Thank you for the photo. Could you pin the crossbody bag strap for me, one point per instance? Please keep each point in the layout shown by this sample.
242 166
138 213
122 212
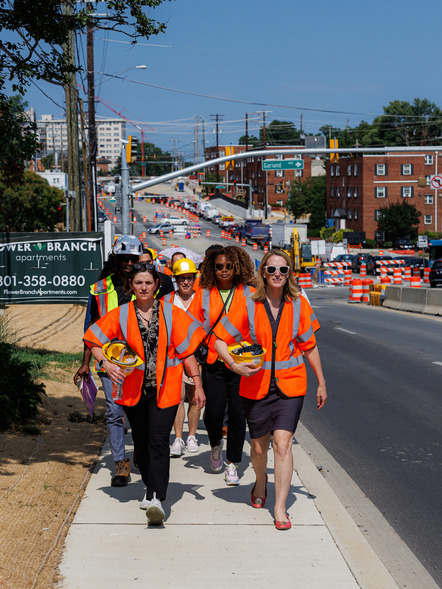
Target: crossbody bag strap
219 316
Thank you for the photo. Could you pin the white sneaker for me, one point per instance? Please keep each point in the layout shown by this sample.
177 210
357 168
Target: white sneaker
155 513
144 502
231 475
216 457
192 444
177 447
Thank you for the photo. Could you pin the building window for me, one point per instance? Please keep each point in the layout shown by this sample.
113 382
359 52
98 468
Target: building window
222 154
406 191
355 192
380 170
428 219
428 179
349 170
429 160
356 214
355 170
279 173
349 192
222 166
377 214
332 170
338 192
332 191
298 173
349 213
380 192
428 199
338 170
407 169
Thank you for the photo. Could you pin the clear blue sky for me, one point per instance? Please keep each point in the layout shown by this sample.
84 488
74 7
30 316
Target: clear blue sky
344 60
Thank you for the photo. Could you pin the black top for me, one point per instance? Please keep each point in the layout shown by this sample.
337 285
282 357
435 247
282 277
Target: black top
274 325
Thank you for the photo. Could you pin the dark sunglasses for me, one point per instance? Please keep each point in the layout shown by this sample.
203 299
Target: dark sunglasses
144 266
220 267
282 269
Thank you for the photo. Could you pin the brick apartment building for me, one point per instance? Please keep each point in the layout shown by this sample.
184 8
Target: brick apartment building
271 186
359 187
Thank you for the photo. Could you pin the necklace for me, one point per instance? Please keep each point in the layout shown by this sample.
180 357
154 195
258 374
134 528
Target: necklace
149 313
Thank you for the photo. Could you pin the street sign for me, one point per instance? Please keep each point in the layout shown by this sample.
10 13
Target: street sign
422 241
283 164
436 182
222 187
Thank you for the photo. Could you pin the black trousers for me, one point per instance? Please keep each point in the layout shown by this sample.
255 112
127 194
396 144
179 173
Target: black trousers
221 387
151 427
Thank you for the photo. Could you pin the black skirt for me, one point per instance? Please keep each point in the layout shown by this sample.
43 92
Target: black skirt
275 411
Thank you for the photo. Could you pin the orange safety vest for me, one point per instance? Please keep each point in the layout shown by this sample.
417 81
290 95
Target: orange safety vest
249 321
206 306
178 337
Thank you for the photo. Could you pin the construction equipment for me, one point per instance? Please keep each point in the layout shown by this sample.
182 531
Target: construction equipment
300 253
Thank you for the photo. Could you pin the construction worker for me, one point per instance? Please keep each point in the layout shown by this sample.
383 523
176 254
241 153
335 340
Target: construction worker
107 294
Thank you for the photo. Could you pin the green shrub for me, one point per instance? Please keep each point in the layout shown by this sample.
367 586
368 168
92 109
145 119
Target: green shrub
19 393
326 232
370 244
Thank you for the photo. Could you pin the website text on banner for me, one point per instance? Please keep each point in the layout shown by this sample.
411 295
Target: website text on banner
48 267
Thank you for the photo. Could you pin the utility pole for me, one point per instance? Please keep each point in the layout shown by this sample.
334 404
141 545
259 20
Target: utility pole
247 131
92 129
85 207
217 143
74 185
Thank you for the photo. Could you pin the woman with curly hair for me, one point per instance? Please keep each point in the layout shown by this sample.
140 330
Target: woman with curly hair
227 276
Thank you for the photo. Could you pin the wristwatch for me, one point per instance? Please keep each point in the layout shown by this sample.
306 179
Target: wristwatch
100 364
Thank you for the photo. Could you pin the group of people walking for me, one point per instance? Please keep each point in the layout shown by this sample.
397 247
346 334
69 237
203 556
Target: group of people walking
200 313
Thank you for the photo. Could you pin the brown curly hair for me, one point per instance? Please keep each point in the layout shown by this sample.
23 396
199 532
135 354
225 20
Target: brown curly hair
242 266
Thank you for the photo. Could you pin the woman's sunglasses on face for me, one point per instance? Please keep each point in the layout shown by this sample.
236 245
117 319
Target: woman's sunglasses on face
143 266
283 270
220 267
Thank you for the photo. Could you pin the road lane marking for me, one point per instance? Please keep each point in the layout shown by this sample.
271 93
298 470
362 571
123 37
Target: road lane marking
346 330
438 363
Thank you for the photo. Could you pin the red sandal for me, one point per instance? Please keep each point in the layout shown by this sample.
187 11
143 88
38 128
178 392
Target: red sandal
283 525
258 502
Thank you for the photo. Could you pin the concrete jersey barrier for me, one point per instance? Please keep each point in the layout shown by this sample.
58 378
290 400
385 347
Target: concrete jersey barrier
418 300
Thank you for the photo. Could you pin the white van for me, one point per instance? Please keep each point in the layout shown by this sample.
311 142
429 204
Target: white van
210 212
337 250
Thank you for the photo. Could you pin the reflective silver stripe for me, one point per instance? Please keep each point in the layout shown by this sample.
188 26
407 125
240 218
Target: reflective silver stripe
124 314
231 329
140 367
167 298
102 303
284 364
168 307
313 317
102 338
206 309
306 336
98 287
246 290
296 317
171 362
182 347
251 315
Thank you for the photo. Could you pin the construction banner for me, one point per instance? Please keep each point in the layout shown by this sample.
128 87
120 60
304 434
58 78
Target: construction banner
49 267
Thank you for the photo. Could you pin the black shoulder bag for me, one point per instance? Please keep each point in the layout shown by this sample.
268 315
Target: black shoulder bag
202 350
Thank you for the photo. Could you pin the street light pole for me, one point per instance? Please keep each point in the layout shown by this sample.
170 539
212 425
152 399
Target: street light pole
92 130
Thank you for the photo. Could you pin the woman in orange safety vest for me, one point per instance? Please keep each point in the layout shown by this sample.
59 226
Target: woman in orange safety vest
227 276
281 321
163 337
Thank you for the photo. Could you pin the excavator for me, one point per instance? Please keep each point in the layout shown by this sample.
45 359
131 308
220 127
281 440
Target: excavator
300 254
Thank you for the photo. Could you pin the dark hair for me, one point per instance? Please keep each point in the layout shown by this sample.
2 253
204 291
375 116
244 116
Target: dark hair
176 254
243 268
143 267
211 248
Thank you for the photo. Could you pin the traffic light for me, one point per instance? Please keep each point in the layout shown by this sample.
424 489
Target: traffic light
60 215
230 165
132 150
283 185
334 144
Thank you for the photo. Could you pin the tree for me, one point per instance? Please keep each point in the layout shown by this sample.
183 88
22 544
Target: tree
33 50
308 196
253 141
399 220
29 206
280 133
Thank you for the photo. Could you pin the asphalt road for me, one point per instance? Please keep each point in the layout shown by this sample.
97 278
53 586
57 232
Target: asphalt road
382 422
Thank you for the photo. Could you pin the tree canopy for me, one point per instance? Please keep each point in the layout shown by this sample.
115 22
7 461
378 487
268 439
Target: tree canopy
31 205
308 196
399 220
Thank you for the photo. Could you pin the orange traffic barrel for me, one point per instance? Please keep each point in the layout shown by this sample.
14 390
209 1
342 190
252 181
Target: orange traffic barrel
427 275
385 279
266 249
208 233
397 276
243 242
305 280
366 289
237 239
415 282
363 271
407 273
255 247
355 292
347 276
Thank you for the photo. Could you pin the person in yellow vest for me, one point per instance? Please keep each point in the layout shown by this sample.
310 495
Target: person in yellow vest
280 321
107 294
163 336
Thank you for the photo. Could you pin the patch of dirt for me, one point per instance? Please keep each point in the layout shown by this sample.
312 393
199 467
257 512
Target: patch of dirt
43 476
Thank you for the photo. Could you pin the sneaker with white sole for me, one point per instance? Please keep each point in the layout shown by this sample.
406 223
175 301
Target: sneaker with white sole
231 475
155 513
192 444
216 457
177 447
145 502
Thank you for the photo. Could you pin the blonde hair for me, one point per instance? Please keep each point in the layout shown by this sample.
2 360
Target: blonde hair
290 290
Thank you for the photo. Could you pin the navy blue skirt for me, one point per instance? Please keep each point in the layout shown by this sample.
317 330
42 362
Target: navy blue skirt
275 411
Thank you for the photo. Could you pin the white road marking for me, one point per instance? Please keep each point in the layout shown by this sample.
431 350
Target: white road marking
346 330
438 363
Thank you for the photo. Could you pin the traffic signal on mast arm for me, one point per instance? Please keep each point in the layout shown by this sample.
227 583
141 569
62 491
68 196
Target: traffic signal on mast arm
131 150
230 165
334 144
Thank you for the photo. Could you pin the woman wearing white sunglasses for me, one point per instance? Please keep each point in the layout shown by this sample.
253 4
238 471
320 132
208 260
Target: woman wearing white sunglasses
282 322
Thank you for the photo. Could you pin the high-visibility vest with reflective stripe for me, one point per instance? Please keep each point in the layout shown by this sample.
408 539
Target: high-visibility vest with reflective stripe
106 295
206 306
249 321
178 337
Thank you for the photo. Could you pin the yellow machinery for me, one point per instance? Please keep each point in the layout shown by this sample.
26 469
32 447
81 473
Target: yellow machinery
300 254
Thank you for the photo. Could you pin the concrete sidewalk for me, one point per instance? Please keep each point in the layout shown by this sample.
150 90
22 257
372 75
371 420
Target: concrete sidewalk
212 537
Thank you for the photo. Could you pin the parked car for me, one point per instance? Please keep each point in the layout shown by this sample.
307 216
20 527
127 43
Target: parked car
344 258
166 227
413 262
373 268
403 244
357 261
436 274
216 219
